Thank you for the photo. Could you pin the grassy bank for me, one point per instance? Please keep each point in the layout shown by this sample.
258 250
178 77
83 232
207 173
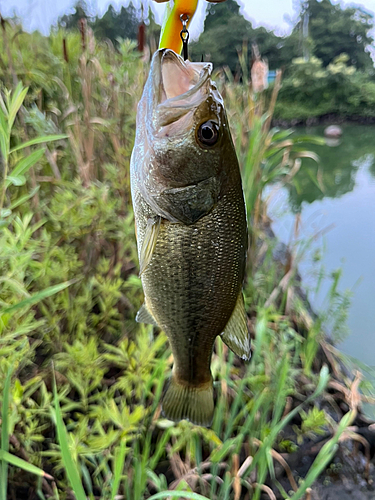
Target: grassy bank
80 380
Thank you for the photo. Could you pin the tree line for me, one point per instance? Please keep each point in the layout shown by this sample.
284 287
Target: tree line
326 59
114 24
323 30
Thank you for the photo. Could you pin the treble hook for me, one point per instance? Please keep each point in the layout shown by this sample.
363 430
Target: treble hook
184 34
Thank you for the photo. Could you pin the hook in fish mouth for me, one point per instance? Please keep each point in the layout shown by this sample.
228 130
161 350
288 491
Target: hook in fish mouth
178 87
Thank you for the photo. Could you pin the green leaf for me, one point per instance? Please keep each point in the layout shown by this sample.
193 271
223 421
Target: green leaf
219 454
280 135
18 97
22 464
5 435
4 143
62 436
24 198
3 112
34 299
5 212
15 285
323 381
310 139
16 180
25 164
39 140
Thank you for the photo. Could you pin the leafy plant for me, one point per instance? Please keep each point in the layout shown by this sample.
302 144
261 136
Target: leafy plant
14 166
313 423
312 90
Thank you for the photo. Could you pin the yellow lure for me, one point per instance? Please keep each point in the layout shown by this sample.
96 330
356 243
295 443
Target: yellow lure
170 31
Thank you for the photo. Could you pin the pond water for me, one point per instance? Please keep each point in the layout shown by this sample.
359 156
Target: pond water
346 202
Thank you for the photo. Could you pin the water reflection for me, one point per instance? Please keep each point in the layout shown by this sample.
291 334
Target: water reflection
336 174
347 202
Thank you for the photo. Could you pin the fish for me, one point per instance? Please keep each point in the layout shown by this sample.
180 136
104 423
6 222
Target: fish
191 228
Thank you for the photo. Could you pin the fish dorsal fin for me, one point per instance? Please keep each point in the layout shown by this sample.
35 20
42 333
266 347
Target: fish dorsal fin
144 316
236 334
149 242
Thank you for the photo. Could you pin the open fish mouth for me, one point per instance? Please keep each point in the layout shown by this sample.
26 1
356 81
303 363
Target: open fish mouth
178 86
180 79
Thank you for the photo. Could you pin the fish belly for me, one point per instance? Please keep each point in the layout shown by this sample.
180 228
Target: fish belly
193 280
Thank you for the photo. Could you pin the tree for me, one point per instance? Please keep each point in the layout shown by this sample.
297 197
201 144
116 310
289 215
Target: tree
113 25
335 30
324 30
71 21
225 32
152 31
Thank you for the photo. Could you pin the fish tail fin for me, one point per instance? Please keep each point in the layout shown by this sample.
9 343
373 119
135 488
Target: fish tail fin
195 403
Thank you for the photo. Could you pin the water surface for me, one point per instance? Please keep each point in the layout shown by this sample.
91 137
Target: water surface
339 192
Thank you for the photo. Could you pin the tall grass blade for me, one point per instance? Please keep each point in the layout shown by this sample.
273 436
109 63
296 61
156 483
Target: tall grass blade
39 140
5 435
22 464
62 436
119 466
18 97
178 494
34 299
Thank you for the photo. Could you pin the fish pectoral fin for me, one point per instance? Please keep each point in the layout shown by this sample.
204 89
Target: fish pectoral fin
236 334
144 316
149 243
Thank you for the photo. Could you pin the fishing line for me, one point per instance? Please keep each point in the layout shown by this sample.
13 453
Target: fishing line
184 34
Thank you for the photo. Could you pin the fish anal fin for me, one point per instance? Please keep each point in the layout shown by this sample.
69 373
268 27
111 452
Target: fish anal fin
149 243
236 334
144 316
194 403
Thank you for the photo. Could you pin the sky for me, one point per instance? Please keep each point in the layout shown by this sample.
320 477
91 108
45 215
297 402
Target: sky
274 14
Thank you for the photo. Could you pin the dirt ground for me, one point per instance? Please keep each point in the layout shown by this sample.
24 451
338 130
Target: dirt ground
350 477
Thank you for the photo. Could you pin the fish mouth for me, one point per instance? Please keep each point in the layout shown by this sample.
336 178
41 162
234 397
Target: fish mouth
178 87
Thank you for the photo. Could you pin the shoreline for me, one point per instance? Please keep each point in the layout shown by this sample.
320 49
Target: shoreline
351 471
329 119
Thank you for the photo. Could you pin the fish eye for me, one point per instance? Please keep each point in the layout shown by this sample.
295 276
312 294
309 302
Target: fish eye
208 133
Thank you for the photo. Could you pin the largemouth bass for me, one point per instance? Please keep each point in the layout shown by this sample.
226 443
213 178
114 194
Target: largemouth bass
191 227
